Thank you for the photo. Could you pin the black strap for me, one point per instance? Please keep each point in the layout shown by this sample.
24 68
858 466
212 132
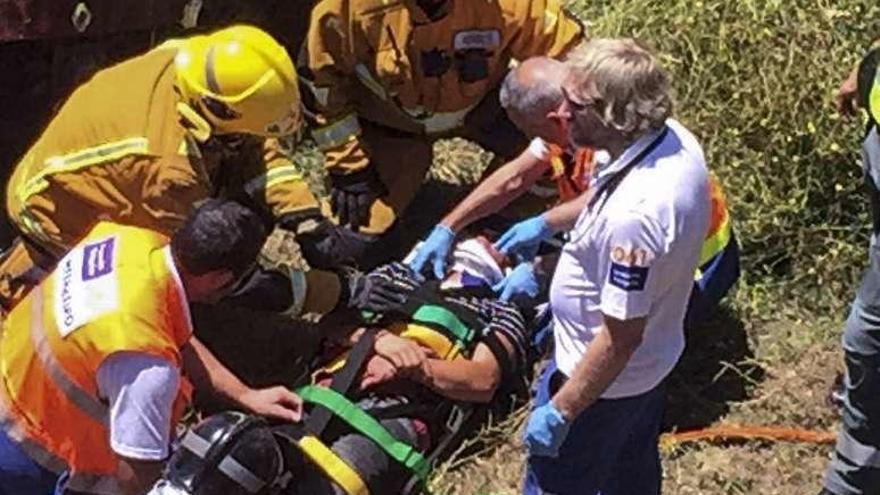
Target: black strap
607 188
343 381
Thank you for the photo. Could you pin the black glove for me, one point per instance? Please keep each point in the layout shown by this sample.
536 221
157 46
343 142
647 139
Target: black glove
377 292
353 194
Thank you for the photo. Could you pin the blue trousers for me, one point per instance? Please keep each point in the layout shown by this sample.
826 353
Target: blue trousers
19 475
611 448
855 465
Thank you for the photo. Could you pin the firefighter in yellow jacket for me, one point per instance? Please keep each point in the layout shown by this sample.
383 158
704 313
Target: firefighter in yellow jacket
389 76
144 141
92 360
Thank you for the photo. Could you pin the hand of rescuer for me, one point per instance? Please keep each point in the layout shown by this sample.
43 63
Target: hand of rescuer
435 250
376 292
521 241
521 280
545 431
273 402
352 195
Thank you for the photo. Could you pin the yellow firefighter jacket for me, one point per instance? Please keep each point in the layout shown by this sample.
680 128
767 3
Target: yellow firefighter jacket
386 62
120 149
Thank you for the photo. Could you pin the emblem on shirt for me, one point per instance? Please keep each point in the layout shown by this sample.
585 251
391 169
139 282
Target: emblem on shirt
477 39
98 259
629 268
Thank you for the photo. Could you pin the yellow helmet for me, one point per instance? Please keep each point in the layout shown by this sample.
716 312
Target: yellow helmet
241 81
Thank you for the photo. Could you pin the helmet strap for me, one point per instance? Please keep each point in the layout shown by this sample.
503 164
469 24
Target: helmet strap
197 125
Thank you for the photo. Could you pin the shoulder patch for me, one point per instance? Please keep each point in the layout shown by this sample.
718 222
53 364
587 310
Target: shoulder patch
628 277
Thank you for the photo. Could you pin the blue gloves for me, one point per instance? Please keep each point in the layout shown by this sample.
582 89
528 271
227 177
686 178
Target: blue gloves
545 431
435 249
522 240
520 281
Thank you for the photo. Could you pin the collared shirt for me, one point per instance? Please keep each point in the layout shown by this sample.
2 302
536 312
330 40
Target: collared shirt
632 254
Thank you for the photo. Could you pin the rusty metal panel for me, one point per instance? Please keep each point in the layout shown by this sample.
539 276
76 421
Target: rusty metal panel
42 19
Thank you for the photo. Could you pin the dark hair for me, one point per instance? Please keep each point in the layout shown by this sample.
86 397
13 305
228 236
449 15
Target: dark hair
219 235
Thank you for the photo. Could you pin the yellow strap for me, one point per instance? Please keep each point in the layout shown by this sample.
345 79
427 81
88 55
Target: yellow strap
77 160
335 468
715 244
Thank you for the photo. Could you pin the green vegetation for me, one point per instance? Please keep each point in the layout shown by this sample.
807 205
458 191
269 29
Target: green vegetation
754 80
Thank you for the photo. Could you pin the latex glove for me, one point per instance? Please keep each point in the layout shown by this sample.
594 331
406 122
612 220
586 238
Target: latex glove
519 281
376 293
273 402
435 249
522 240
545 431
352 195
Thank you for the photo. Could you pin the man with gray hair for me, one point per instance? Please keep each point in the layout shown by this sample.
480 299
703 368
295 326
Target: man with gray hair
530 94
621 286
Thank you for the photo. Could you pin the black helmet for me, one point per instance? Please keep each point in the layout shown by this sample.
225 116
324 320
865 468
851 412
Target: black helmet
228 453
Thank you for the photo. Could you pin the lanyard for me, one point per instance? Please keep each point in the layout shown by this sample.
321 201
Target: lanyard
607 188
603 191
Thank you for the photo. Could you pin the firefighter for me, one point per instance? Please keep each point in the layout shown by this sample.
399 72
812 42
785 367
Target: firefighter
95 361
142 142
387 78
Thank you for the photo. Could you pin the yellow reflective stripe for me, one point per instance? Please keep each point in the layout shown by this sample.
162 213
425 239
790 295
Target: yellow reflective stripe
273 177
335 468
550 18
33 227
84 401
715 244
337 133
72 162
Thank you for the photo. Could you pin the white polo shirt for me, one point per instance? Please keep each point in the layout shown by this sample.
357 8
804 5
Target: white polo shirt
635 257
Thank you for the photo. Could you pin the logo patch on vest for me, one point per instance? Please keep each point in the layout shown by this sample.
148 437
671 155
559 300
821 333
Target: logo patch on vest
85 285
98 259
485 39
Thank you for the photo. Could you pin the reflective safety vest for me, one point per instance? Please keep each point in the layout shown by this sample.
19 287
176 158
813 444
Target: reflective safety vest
450 334
115 291
719 233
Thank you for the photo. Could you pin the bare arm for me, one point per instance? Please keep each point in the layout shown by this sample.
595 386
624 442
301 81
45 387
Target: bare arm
496 191
208 373
601 364
563 216
137 477
469 380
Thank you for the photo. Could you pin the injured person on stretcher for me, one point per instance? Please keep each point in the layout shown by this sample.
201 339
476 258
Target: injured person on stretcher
387 399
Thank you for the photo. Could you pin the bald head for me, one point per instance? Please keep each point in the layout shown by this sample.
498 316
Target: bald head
530 92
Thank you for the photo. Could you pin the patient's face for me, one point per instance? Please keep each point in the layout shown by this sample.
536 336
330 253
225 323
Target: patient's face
503 261
477 258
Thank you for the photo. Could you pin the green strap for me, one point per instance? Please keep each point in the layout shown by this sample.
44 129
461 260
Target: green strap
437 315
366 425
